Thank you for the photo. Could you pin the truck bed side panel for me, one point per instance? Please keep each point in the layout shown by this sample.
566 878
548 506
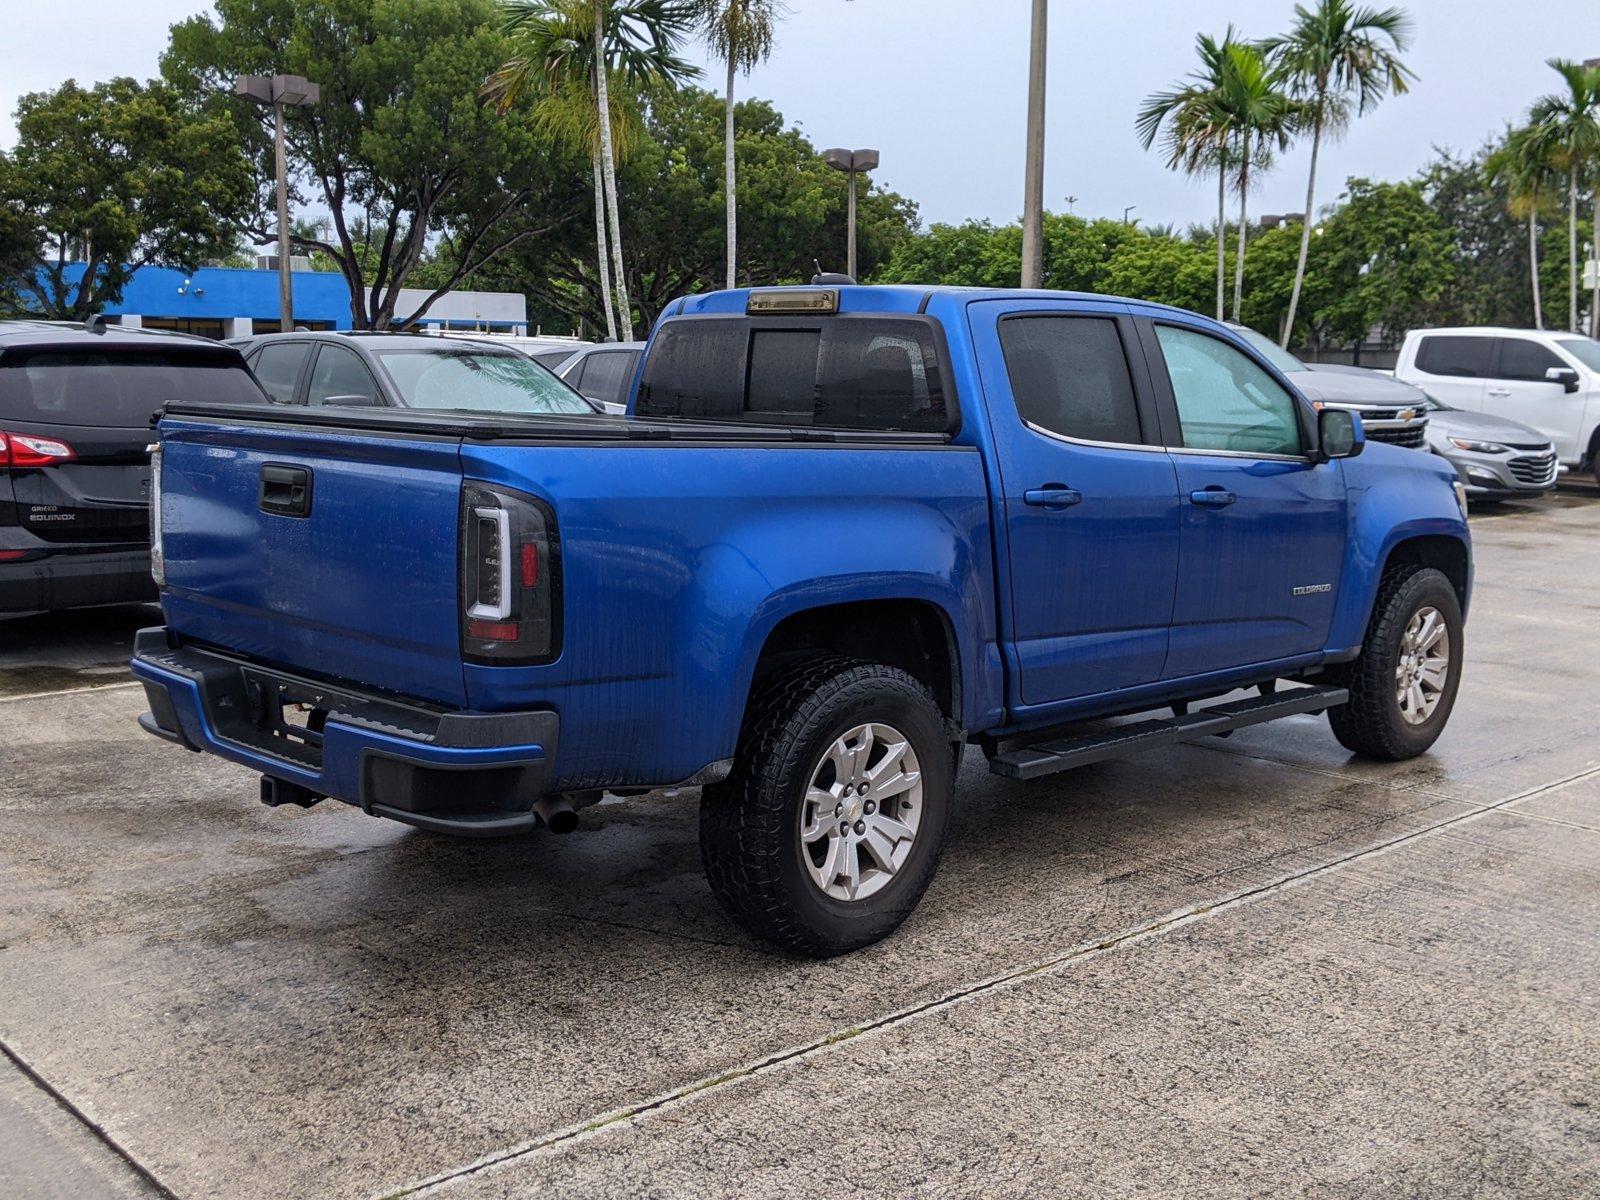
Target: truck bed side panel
677 563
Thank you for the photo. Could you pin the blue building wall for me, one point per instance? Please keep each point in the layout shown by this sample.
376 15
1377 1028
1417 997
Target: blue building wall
230 295
221 293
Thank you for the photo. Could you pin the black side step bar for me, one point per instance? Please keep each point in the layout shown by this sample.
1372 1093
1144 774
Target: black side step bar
1060 754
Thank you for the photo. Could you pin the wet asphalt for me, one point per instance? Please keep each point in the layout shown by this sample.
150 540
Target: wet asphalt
1247 967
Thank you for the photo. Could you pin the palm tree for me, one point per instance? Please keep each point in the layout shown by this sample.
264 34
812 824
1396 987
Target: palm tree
1338 58
740 33
1566 127
1196 131
1264 118
1531 178
556 52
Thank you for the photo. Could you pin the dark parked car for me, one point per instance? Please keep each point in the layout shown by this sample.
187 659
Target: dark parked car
404 370
604 373
75 428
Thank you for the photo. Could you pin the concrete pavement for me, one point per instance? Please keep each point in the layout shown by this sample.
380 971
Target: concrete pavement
1245 967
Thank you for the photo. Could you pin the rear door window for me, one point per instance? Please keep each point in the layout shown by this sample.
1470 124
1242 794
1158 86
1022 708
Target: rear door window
1524 360
606 375
278 367
1069 375
118 388
340 377
1463 356
845 372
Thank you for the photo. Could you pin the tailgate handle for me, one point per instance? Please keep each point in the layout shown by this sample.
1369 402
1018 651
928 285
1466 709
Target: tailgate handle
286 490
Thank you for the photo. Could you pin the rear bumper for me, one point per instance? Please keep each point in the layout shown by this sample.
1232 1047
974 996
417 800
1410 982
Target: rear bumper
477 774
76 579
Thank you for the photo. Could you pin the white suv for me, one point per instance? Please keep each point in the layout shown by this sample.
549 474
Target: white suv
1541 378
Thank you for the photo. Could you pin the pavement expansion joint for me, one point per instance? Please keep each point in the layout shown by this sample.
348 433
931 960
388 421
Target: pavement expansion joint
100 1133
558 1140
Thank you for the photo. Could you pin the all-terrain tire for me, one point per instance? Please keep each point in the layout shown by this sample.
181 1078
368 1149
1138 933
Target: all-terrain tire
750 823
1371 724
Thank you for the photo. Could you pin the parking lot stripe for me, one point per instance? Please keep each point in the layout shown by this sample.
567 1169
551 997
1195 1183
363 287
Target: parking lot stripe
557 1140
94 687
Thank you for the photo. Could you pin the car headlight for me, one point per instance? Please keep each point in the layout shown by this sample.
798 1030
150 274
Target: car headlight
1461 496
1479 447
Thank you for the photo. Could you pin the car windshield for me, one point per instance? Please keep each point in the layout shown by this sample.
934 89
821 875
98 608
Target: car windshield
1433 405
1270 350
478 380
1585 350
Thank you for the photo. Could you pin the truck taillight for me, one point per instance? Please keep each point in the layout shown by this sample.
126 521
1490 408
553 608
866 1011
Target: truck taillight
23 451
510 577
158 554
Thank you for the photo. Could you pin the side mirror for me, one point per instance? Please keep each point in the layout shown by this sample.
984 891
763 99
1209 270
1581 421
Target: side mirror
355 400
1339 433
1565 376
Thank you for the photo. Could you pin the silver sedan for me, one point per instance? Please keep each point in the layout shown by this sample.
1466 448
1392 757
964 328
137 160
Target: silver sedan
1496 459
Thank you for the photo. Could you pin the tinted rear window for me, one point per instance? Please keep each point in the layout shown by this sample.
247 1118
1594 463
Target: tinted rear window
607 374
1070 375
838 372
117 388
1463 356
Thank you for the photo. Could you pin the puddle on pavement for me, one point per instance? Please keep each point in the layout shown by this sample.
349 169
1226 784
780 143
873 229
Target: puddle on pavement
28 679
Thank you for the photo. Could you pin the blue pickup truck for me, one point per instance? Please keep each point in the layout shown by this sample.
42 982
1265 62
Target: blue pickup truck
842 533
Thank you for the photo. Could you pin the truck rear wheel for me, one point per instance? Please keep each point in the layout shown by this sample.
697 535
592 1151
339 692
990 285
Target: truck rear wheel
829 829
1403 684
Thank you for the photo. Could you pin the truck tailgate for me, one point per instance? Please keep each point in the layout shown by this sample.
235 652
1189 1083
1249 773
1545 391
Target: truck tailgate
360 587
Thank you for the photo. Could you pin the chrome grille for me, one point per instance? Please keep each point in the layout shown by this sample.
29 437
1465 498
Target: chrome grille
1535 470
1411 437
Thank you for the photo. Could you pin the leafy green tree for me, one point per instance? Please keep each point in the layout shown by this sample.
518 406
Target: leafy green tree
971 254
741 34
1389 263
399 152
1340 60
1526 172
1479 199
791 205
115 177
568 49
1566 128
1160 268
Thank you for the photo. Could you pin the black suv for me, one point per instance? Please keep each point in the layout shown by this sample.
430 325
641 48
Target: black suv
75 409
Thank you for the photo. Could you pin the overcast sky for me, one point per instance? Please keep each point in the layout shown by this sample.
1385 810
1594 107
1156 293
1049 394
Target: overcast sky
938 87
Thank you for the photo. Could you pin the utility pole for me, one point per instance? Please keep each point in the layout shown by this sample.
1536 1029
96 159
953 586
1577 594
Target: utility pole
280 91
1033 181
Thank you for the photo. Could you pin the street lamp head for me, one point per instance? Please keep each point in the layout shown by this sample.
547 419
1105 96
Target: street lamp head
850 160
254 87
293 90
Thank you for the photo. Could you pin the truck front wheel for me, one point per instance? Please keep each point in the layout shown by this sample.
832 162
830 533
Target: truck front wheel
828 831
1403 684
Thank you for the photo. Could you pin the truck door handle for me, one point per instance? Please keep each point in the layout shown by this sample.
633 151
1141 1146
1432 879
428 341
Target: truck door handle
1499 391
285 490
1053 496
1212 497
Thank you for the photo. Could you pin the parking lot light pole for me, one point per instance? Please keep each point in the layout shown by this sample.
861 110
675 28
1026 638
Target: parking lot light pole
852 163
1033 171
280 91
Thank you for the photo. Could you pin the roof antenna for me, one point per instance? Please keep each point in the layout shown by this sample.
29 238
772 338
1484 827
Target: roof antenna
95 324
